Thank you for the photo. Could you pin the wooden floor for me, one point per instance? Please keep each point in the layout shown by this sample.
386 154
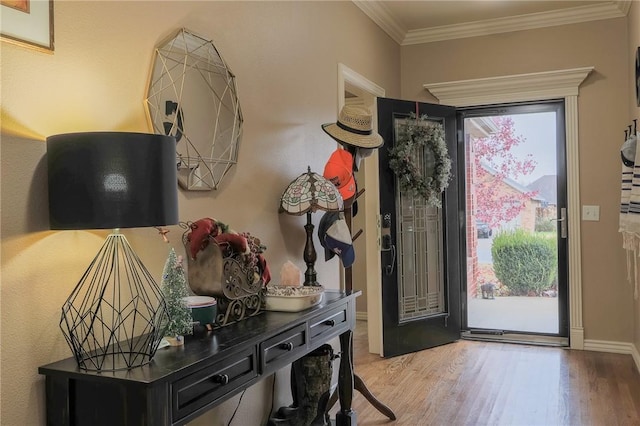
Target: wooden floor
482 383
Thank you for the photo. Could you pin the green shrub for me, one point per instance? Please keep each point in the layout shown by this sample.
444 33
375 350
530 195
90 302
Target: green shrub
545 225
524 262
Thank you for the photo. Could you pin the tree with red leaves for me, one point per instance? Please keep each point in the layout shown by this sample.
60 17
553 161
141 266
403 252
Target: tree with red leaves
495 165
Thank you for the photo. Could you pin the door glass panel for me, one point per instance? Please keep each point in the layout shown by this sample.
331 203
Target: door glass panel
512 210
420 238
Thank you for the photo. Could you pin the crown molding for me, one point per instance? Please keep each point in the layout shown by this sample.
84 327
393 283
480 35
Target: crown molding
520 87
381 15
573 15
624 6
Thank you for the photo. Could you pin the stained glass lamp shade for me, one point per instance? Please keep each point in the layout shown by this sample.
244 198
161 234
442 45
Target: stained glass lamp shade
115 316
306 194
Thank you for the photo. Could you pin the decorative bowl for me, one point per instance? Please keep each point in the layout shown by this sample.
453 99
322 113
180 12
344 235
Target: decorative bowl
292 299
203 309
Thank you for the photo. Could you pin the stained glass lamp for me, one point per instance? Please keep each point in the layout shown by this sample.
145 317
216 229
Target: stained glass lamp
306 194
115 317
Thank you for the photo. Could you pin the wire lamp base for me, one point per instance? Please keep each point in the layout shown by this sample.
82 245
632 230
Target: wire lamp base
115 317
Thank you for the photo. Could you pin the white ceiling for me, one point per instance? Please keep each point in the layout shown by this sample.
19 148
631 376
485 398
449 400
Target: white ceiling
414 22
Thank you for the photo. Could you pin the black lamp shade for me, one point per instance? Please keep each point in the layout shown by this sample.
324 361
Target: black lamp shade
100 180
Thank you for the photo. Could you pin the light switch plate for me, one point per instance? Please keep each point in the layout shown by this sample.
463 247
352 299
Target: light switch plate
591 213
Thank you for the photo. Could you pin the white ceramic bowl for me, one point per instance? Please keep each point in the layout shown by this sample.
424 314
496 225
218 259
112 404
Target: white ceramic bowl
292 299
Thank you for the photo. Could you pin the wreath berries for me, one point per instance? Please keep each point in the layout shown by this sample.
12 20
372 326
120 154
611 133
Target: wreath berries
424 137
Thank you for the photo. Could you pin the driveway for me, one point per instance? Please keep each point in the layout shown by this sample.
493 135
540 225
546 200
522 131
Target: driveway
484 250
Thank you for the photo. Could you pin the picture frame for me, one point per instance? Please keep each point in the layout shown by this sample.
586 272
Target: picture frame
28 23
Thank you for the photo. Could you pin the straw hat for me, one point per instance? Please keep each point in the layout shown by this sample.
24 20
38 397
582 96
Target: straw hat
354 127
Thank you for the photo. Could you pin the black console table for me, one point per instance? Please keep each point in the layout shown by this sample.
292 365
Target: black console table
183 382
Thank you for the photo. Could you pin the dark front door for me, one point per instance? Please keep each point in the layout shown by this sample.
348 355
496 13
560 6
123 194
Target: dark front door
421 277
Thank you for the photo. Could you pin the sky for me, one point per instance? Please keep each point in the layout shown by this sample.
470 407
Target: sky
539 131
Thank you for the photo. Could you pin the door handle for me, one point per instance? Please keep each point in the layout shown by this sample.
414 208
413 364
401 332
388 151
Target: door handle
388 246
387 243
563 222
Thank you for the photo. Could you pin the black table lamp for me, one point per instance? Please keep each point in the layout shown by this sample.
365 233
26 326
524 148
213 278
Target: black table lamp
115 316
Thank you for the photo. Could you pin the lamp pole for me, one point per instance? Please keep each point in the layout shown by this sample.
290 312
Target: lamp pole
310 255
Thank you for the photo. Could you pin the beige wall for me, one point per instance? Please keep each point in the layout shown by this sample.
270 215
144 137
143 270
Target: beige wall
285 57
634 112
603 115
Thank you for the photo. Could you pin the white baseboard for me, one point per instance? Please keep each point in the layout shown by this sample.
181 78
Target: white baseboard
576 338
614 347
361 316
609 346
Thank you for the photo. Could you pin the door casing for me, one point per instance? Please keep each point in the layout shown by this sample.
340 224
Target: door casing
538 87
369 208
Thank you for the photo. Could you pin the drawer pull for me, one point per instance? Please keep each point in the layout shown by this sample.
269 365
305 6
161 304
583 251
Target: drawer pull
286 346
223 379
330 323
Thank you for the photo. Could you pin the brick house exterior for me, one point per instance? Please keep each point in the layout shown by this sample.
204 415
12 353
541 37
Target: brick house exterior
526 219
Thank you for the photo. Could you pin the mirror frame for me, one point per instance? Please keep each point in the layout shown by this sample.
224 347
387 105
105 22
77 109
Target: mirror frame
192 95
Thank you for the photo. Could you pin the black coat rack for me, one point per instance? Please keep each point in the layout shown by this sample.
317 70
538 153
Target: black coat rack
628 133
358 383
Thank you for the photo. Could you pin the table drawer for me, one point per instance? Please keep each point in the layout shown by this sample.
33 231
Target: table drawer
281 347
333 322
210 383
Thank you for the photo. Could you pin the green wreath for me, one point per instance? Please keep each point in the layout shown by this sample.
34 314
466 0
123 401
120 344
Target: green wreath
417 136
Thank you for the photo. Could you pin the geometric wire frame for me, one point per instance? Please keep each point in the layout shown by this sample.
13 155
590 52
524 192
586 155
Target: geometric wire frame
192 95
115 317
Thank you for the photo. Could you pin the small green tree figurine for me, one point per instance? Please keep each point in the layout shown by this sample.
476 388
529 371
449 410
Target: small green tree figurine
174 289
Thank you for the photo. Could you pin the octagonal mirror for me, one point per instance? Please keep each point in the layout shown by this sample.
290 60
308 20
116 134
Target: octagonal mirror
192 95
